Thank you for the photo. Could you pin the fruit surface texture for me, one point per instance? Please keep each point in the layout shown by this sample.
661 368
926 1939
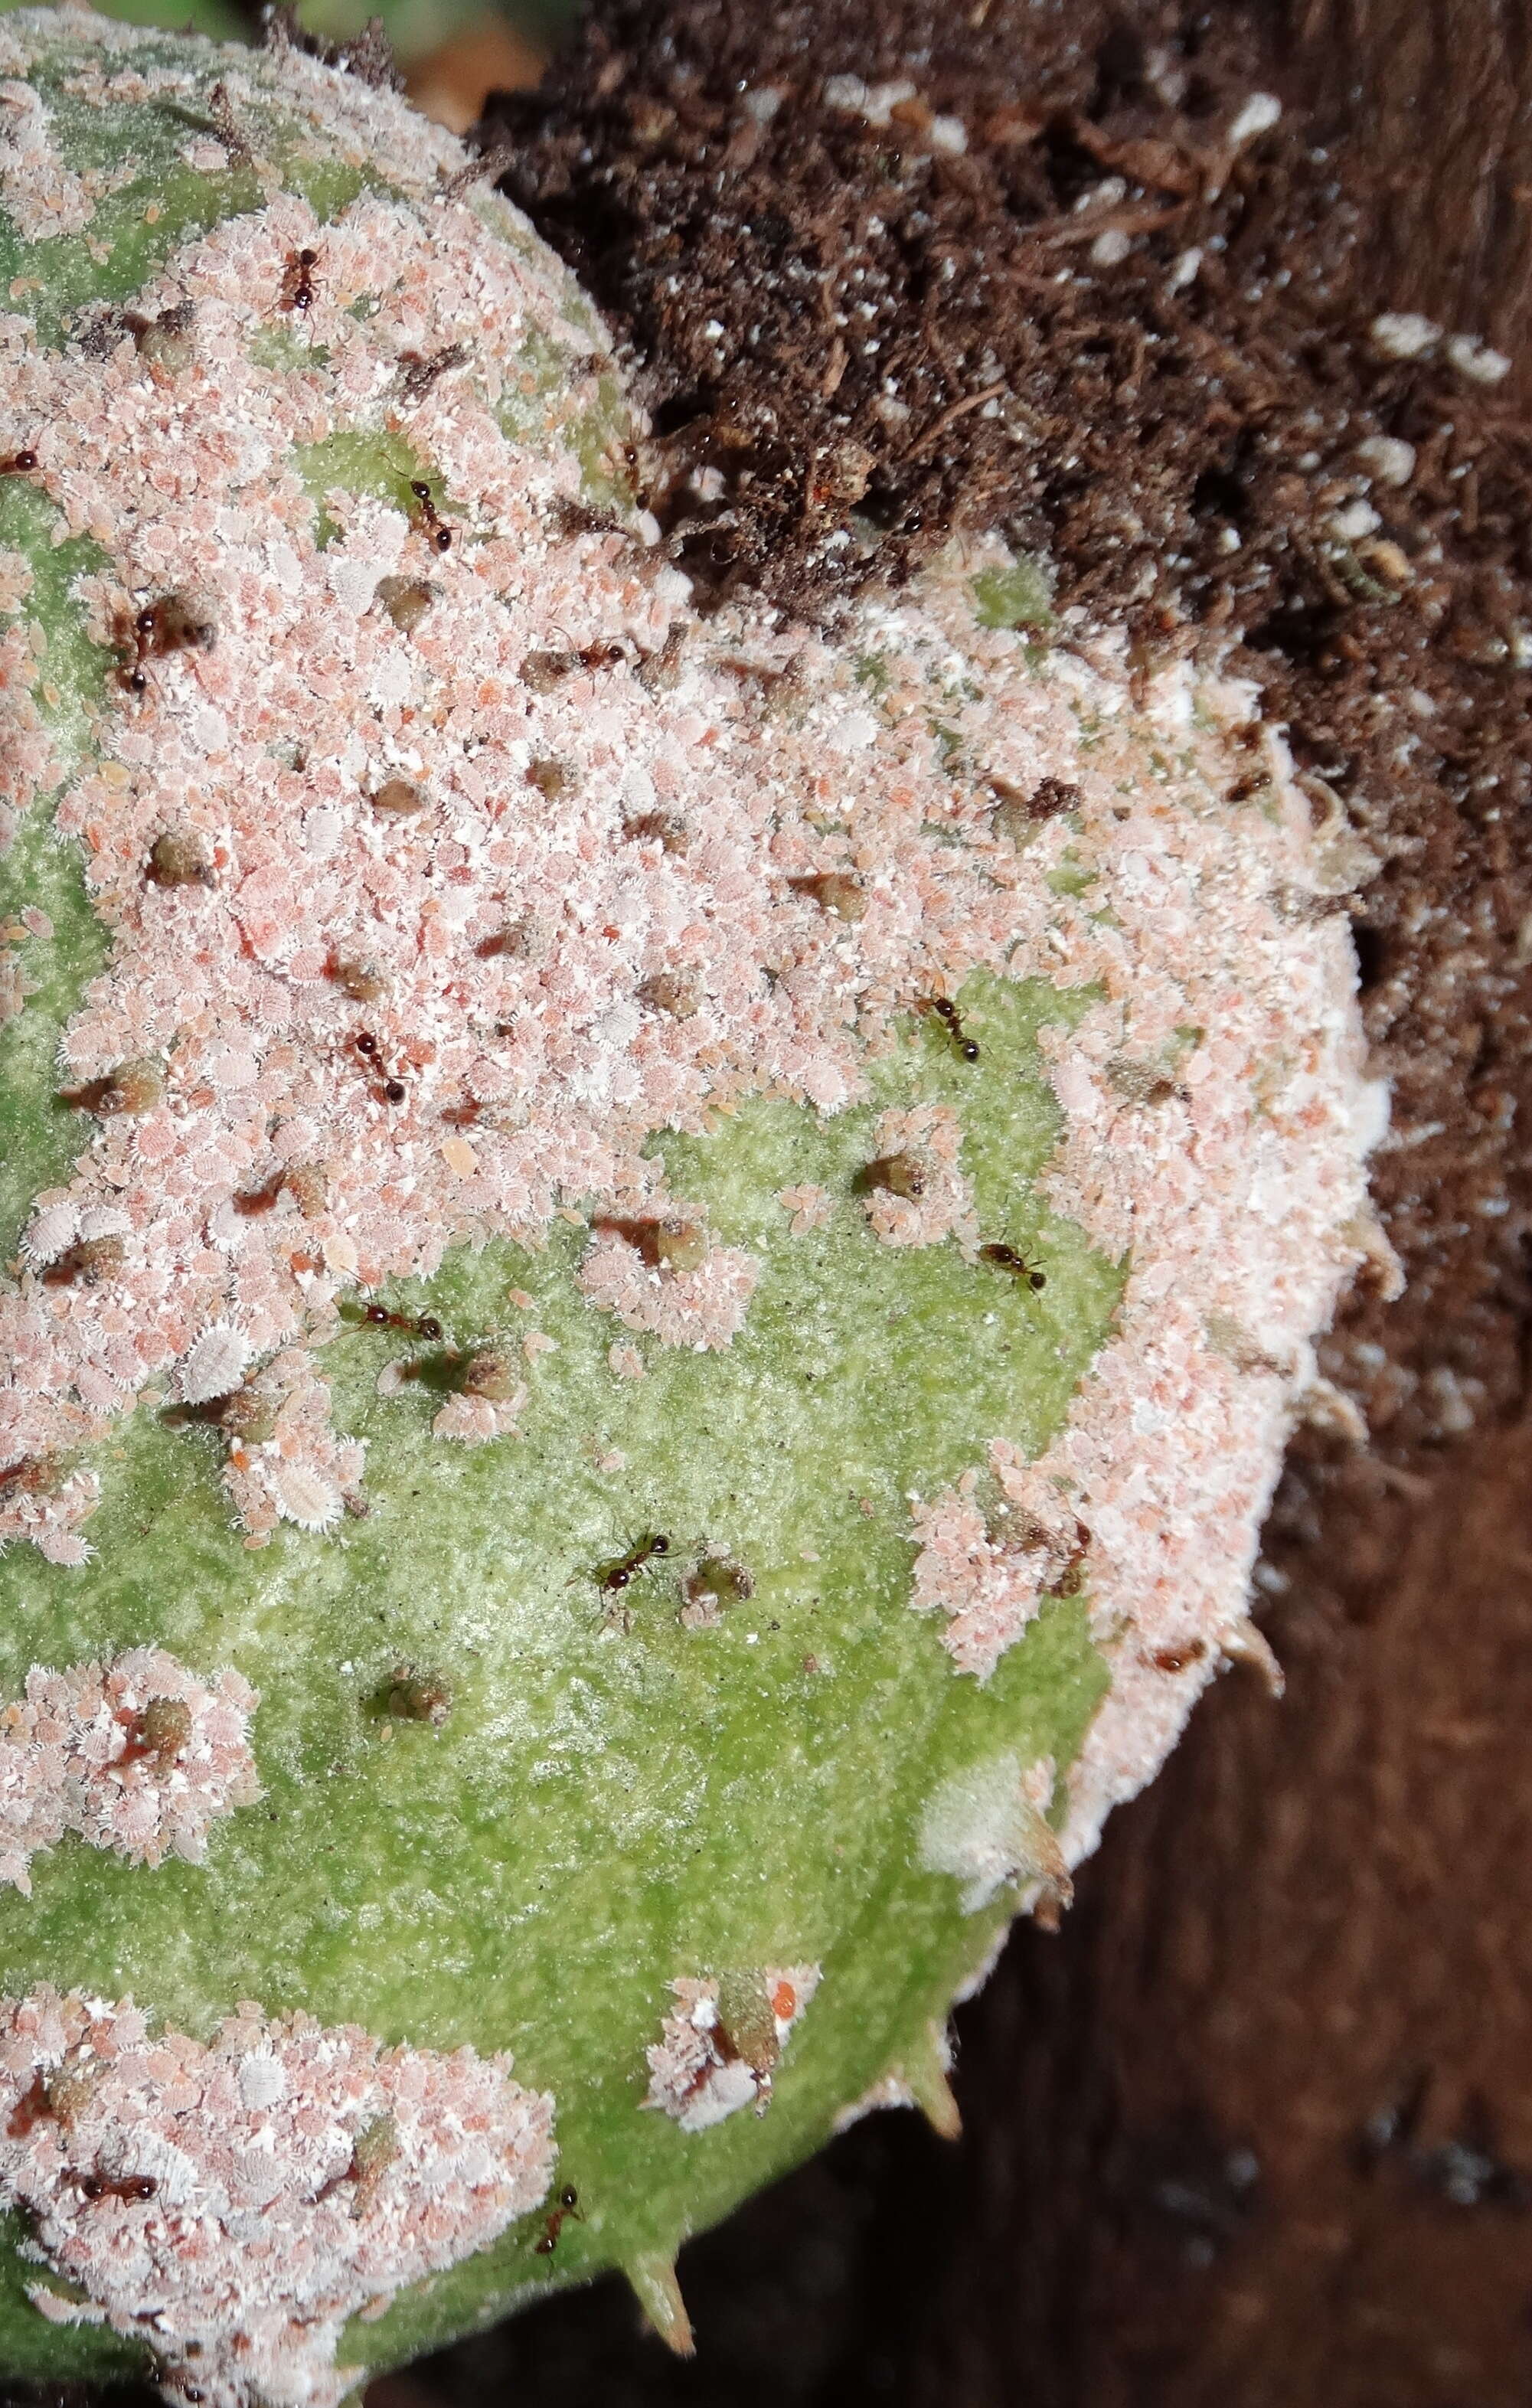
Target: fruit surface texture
653 1263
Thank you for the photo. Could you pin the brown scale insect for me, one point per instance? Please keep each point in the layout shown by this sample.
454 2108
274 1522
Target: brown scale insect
718 1581
1006 1258
297 291
577 518
398 798
664 1245
491 1373
550 778
666 830
33 2108
158 1735
835 891
465 1115
17 464
439 535
614 1578
373 2151
1016 814
35 1475
419 371
163 340
670 992
406 600
896 1174
1177 1659
938 1007
179 857
220 109
363 981
133 1088
92 1259
413 1697
568 2206
512 942
308 1185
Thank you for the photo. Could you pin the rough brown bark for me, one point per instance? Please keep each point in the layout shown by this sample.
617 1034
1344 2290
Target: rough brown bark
1437 95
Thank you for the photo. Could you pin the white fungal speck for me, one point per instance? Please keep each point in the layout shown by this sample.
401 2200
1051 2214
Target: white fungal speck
1475 360
1404 334
1258 115
1388 458
1357 518
984 1827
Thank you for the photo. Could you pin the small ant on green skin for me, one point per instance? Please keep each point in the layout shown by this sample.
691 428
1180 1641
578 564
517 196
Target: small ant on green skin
939 1009
616 1577
440 536
1006 1258
568 2206
377 1316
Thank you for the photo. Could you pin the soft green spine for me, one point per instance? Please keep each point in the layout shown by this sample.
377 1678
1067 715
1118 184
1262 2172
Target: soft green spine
604 1810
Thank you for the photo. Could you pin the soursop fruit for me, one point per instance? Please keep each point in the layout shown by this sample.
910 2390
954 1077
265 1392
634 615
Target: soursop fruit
654 1263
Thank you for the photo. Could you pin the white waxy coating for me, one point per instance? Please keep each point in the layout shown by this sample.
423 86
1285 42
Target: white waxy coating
235 2204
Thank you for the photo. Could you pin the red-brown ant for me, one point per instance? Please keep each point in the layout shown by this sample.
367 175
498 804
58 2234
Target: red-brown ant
17 464
297 291
1006 1258
617 1576
430 516
34 2107
159 629
939 1009
388 1090
568 2206
127 2186
543 671
252 1200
